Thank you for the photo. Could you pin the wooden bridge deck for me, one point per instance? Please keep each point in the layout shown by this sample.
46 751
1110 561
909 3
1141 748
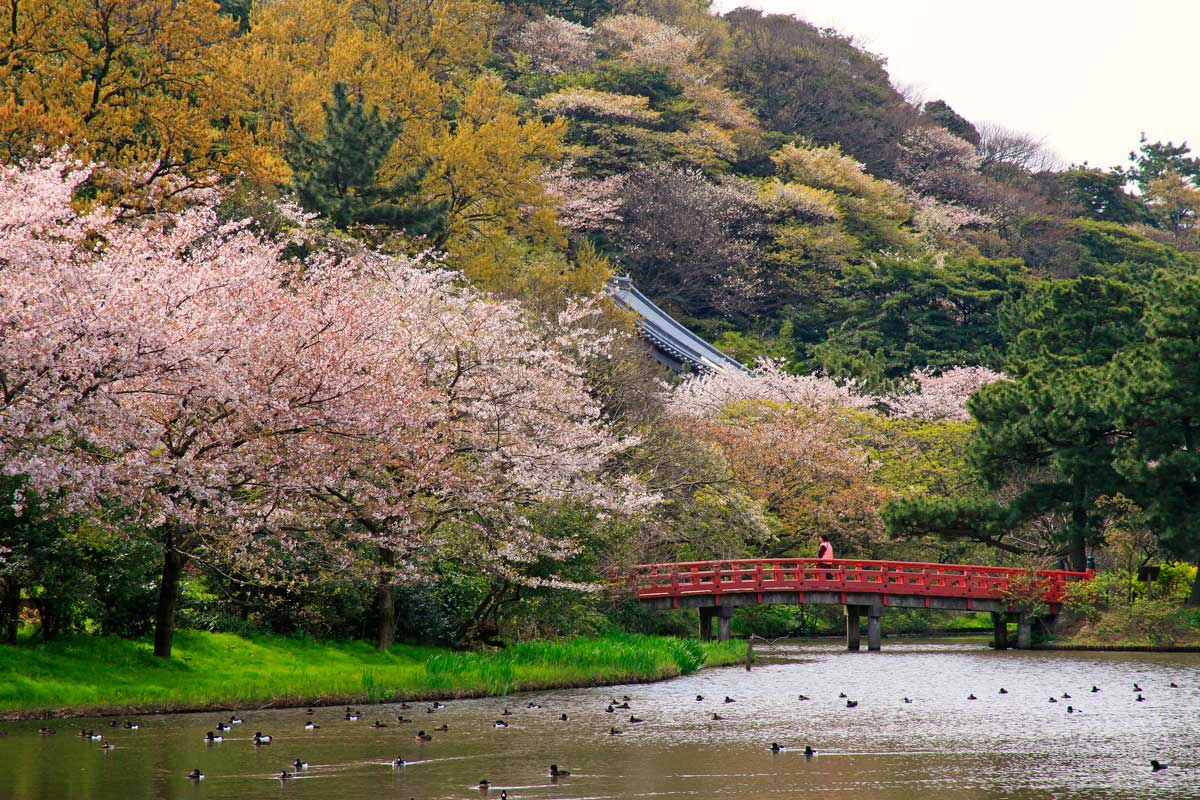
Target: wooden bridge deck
716 587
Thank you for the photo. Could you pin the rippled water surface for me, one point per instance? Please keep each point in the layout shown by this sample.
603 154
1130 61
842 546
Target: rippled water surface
942 745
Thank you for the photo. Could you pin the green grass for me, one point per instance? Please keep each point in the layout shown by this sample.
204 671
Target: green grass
86 675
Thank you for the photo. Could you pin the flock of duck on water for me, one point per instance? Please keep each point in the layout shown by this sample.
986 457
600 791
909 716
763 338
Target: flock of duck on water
261 739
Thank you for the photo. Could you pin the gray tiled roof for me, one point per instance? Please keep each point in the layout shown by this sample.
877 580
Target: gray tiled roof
674 345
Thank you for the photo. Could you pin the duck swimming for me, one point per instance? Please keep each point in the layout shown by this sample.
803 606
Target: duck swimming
564 717
1003 690
908 699
851 704
132 726
311 726
442 728
499 724
717 717
1095 689
614 732
196 775
284 775
221 726
635 720
729 699
403 720
699 697
776 747
422 736
298 764
398 762
261 739
802 697
972 696
212 738
47 731
235 720
378 724
809 752
1155 766
555 772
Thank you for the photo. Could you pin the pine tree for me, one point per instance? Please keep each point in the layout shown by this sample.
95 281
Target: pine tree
336 175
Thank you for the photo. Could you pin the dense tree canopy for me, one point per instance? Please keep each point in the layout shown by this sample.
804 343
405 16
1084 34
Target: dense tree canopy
411 402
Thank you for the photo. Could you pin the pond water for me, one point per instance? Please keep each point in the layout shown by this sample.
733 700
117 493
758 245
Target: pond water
1015 745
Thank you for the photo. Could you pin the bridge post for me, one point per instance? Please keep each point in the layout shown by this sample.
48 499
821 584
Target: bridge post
1024 632
999 630
706 617
852 632
723 619
874 632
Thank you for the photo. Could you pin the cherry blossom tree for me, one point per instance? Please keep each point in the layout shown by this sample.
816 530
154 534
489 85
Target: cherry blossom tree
555 45
942 395
222 393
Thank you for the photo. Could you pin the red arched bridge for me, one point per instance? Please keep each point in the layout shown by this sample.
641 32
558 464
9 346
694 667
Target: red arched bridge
861 587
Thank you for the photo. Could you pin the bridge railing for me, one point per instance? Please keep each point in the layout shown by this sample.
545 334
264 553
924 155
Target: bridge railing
967 581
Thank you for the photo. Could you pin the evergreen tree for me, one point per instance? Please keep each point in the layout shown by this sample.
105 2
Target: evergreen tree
1156 399
336 176
1048 438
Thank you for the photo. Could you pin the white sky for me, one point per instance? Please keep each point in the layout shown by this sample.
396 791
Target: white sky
1088 75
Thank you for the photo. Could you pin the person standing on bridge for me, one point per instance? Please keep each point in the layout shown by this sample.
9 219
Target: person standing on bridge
825 549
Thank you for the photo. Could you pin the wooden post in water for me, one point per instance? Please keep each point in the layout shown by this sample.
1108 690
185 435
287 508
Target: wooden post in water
999 630
706 617
874 630
749 651
852 632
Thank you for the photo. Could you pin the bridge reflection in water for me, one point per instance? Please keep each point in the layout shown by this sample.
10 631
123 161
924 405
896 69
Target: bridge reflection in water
863 588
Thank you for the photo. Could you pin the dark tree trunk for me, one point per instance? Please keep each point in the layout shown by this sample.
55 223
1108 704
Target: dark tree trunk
385 600
1077 544
1194 597
1077 551
168 595
10 611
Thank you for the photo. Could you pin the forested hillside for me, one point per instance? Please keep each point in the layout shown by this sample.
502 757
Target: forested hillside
370 385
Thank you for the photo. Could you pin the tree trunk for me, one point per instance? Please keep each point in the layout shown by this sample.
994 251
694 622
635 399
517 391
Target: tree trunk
1077 551
385 600
10 611
168 596
1077 544
1194 597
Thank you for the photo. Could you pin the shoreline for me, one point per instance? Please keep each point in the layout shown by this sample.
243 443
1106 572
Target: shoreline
329 701
106 677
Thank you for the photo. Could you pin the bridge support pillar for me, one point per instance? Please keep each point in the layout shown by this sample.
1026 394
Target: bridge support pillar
874 630
1024 632
852 631
706 617
723 619
999 630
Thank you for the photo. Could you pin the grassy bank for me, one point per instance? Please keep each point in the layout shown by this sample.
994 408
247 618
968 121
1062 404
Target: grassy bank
1145 625
94 675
